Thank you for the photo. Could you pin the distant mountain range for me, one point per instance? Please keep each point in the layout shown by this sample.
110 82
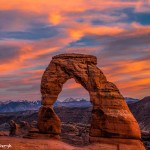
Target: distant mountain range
141 111
130 100
14 106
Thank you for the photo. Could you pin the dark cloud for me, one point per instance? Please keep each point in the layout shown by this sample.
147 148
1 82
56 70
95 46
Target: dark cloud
128 44
120 15
17 19
32 34
131 45
134 16
25 25
24 88
7 53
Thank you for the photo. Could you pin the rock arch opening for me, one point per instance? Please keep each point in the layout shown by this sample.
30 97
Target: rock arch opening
74 110
111 117
74 90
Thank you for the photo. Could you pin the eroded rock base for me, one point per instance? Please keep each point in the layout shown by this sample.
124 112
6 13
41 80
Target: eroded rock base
121 144
39 135
48 121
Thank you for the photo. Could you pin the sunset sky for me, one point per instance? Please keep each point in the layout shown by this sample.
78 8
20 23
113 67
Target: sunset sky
32 31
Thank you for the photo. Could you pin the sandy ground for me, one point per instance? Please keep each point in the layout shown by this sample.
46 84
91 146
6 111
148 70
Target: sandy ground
45 144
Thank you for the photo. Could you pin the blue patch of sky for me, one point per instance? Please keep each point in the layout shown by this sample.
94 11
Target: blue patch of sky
131 16
34 68
92 40
142 18
84 41
33 34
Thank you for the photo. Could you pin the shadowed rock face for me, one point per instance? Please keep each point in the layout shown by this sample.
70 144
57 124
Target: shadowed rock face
111 117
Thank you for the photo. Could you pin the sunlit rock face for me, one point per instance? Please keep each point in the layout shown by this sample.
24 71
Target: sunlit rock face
111 117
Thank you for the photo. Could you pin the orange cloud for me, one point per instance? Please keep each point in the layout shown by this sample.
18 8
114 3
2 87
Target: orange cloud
41 6
133 67
58 5
9 66
78 30
33 77
26 53
55 18
131 77
71 84
143 6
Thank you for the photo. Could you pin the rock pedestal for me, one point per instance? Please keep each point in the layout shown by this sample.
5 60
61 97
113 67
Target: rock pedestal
48 121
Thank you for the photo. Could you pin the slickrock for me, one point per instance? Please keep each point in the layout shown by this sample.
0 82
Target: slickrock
49 144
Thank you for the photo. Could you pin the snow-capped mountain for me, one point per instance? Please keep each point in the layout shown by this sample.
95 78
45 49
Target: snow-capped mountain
130 100
74 100
14 106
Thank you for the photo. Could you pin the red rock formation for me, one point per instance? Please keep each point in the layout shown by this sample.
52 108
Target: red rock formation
111 117
48 121
18 129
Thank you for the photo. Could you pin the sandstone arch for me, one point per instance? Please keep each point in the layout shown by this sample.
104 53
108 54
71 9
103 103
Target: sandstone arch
111 117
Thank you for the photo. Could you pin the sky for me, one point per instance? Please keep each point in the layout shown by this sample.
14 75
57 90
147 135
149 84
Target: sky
117 32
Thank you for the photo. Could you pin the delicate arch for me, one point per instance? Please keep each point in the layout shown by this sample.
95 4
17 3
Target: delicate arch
110 115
